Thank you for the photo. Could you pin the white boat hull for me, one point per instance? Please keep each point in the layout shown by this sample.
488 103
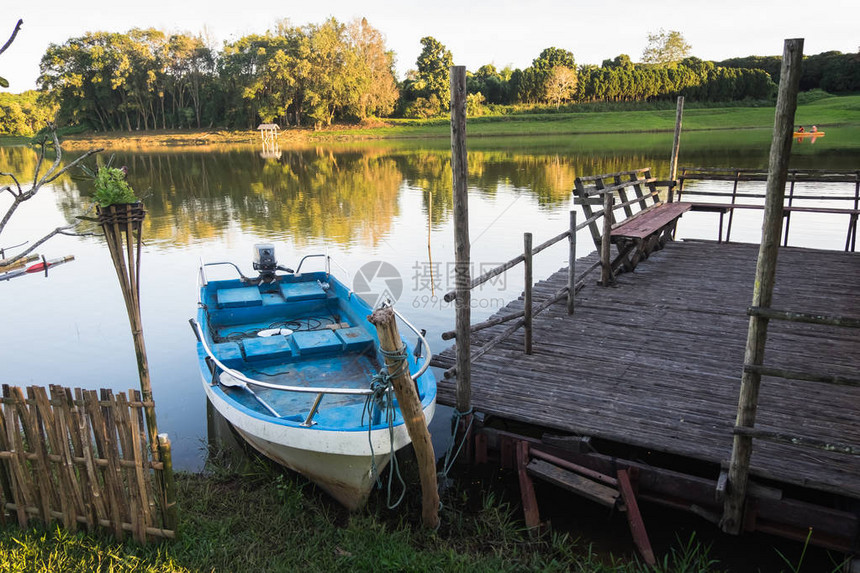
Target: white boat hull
340 462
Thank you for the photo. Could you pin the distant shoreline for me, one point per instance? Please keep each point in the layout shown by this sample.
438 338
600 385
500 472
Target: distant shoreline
829 111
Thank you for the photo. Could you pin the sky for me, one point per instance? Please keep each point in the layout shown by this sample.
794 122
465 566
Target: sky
477 32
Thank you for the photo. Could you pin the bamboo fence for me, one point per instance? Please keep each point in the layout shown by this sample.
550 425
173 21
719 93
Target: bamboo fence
82 458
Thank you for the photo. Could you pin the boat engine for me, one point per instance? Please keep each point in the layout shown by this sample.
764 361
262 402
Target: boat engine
264 261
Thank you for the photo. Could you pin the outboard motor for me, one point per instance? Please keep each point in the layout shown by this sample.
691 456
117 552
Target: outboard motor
264 261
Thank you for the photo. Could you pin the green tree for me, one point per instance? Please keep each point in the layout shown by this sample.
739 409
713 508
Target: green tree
665 48
530 85
622 61
338 75
380 94
24 113
433 65
490 83
551 58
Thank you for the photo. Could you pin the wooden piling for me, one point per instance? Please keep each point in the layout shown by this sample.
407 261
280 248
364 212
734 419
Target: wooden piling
171 519
676 145
527 292
462 254
571 263
410 406
606 277
780 151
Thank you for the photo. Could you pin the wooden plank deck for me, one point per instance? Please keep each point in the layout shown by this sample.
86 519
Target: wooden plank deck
655 361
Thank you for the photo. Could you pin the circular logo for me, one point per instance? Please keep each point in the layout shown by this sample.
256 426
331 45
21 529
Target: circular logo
376 282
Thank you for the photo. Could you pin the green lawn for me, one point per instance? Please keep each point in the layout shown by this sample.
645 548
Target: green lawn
828 111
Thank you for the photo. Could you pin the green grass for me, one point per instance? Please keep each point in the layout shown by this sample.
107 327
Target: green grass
817 109
268 521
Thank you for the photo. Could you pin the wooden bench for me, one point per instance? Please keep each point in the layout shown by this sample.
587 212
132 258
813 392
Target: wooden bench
638 233
646 231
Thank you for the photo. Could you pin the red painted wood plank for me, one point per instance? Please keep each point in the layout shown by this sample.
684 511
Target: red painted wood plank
634 518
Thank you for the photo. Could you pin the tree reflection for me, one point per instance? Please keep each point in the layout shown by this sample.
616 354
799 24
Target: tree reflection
349 193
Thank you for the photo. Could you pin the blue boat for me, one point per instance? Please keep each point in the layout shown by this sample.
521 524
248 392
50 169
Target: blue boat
289 359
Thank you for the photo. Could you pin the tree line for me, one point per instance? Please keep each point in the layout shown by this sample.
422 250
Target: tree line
830 71
316 74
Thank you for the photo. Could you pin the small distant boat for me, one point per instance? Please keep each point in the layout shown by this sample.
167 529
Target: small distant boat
288 359
808 133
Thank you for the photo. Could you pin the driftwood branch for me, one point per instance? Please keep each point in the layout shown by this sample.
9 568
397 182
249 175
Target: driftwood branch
12 37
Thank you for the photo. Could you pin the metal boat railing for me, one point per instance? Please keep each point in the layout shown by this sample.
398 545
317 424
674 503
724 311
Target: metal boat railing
320 391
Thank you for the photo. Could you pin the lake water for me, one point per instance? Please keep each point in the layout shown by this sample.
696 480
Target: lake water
360 202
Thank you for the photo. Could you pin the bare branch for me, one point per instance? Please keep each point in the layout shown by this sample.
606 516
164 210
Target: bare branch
55 165
12 37
58 231
71 165
53 172
9 187
39 161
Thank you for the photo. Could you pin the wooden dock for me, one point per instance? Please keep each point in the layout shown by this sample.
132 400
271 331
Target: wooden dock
655 361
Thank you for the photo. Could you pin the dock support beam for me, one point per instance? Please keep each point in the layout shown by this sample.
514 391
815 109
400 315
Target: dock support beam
780 150
571 263
462 275
676 146
527 292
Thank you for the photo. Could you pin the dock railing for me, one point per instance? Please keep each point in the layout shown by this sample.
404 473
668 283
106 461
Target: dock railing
723 202
644 195
524 318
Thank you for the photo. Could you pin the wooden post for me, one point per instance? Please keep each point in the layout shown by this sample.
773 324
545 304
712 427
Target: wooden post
527 489
780 149
676 145
605 260
571 263
171 518
527 292
413 415
462 276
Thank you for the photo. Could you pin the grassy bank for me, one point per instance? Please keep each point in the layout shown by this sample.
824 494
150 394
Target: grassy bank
827 111
266 521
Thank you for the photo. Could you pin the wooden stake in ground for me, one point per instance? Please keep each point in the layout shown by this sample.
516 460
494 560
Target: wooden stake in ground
780 151
413 415
462 245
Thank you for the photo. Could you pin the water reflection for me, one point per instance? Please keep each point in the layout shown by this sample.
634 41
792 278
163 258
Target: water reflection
348 193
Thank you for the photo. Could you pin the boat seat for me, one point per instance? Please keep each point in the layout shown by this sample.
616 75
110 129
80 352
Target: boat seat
227 352
238 297
354 338
265 347
316 341
294 292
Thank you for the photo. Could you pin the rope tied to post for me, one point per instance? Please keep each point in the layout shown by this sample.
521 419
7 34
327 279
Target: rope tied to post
382 401
450 454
